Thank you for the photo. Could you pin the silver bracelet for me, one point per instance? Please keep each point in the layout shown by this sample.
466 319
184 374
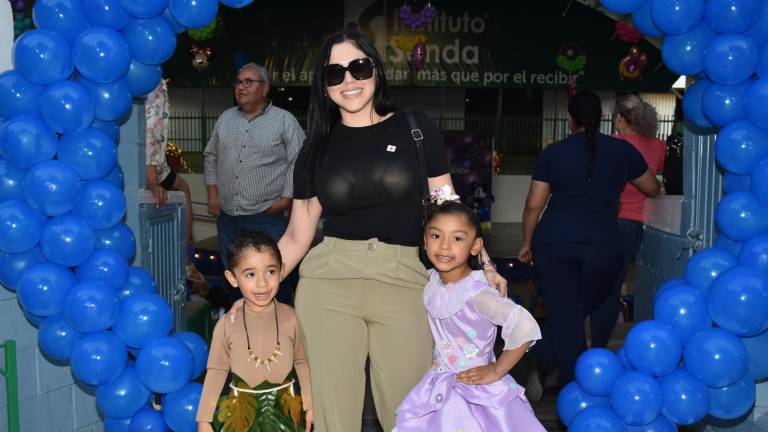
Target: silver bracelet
486 263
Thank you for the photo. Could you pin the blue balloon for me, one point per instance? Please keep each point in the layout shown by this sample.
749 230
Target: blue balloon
684 309
143 318
117 425
715 357
758 181
643 22
180 408
731 16
165 365
622 355
57 338
684 54
17 95
20 226
143 78
42 57
52 187
105 13
729 245
596 419
725 104
119 238
738 301
11 181
199 349
741 215
12 265
104 265
101 55
736 183
108 127
757 354
116 178
596 371
152 41
177 27
686 399
661 424
572 400
101 204
123 396
67 107
111 101
147 419
43 287
705 266
90 152
139 282
34 320
622 6
98 358
667 285
636 398
674 17
194 13
731 58
762 63
26 140
759 31
67 240
734 401
756 95
653 348
693 104
144 9
64 17
91 306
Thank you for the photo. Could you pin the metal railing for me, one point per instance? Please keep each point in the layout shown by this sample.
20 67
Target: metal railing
11 384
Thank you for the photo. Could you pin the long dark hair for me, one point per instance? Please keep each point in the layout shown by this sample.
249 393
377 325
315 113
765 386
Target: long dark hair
586 111
323 114
458 208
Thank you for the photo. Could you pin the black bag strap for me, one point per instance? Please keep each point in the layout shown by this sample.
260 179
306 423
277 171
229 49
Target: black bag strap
418 137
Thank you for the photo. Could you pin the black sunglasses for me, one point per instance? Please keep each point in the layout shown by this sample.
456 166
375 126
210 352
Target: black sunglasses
360 69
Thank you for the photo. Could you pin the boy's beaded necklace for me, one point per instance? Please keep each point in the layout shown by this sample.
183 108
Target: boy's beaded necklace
272 358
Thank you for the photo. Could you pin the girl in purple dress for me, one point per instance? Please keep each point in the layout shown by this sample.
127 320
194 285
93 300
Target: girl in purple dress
467 389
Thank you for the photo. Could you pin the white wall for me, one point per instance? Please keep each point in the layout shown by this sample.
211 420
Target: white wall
201 228
509 192
6 36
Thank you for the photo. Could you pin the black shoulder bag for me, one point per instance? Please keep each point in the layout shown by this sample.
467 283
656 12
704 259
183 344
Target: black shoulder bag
426 199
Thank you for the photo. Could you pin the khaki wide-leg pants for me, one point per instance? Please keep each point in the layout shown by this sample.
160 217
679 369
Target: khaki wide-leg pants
359 298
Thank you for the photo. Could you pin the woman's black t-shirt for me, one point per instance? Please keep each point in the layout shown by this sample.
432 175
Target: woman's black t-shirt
369 180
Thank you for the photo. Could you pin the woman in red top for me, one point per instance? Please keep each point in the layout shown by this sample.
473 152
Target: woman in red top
636 121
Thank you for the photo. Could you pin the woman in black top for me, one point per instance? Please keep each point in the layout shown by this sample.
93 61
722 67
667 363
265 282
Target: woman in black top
575 245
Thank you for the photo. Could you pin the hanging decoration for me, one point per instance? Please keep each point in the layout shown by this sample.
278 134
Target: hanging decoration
204 33
417 20
631 66
571 58
201 57
627 32
419 56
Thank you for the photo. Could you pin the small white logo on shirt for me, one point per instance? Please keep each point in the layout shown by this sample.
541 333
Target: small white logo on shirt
391 148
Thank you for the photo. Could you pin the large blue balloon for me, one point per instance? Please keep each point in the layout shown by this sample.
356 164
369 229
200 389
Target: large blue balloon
111 100
661 424
91 306
27 140
152 41
20 226
736 183
101 204
98 358
667 285
754 253
43 287
34 320
738 301
108 127
42 57
119 238
622 355
142 319
684 54
17 95
643 22
123 396
67 240
684 309
757 352
693 104
104 265
762 64
741 216
636 398
144 9
596 371
673 17
622 6
686 399
139 282
91 153
105 13
724 104
117 425
194 13
177 27
731 16
758 181
198 348
715 357
180 408
12 265
653 348
64 17
148 419
52 187
101 55
755 99
596 419
143 78
165 365
57 338
731 58
759 31
11 181
729 245
733 401
67 107
572 400
705 266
